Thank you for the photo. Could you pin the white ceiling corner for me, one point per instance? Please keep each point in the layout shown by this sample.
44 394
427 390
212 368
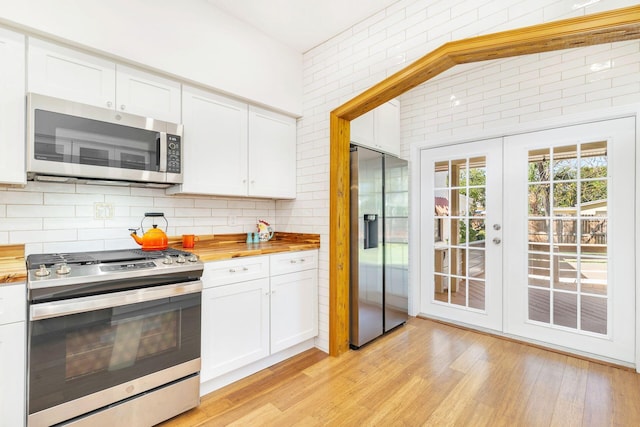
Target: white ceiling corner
301 24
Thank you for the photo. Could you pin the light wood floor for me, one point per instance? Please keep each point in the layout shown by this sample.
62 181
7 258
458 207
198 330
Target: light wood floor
427 374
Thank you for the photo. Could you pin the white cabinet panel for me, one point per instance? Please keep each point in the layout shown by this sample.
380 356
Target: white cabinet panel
272 154
215 144
235 326
379 129
294 308
245 320
64 73
13 300
69 74
362 130
12 374
12 108
289 262
387 128
147 95
233 149
235 270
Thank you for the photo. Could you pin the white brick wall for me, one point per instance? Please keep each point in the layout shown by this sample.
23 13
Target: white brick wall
465 98
61 217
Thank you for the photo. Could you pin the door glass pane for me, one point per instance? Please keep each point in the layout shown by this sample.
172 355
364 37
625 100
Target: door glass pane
459 255
539 270
567 251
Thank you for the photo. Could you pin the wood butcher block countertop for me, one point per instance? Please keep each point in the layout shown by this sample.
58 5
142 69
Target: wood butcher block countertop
208 248
228 246
12 265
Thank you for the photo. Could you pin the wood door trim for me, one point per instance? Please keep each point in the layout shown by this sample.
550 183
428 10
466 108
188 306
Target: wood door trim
605 27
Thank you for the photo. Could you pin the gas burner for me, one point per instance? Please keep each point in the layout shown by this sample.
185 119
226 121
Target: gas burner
102 257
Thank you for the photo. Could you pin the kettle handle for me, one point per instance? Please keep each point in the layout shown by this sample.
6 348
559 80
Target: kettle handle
154 214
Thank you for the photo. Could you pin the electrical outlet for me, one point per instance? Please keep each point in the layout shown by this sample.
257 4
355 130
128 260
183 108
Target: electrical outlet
232 220
103 210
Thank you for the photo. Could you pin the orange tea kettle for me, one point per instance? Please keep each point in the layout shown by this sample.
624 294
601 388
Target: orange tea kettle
155 239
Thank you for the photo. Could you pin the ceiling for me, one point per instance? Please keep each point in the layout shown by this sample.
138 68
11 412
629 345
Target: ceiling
301 24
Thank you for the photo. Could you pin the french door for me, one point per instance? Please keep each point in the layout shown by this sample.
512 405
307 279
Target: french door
461 205
532 235
569 253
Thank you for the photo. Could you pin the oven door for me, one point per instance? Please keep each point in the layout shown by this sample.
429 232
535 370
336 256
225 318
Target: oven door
89 352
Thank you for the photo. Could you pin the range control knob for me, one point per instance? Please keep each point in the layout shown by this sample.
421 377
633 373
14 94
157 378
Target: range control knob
181 259
167 260
43 271
193 258
63 269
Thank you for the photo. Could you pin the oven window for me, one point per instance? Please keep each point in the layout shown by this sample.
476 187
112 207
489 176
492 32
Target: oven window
76 140
80 354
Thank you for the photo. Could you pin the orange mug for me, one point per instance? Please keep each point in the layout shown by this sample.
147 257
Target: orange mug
189 240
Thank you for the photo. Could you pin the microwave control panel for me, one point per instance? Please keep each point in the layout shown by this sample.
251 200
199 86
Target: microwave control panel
173 153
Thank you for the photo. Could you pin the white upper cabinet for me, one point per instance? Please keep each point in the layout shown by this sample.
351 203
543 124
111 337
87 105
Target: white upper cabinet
233 149
215 148
69 74
147 95
272 154
12 108
379 129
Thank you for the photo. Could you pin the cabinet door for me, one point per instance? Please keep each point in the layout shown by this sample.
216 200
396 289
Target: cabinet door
362 130
12 108
12 374
235 326
387 128
272 154
147 95
64 73
379 129
294 308
215 144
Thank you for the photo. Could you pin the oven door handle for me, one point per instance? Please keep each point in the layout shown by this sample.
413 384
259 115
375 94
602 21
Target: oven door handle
52 309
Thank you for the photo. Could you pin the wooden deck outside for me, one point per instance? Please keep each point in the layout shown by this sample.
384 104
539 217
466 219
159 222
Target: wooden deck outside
593 313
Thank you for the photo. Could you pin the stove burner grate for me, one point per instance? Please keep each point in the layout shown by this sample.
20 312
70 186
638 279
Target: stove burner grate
99 257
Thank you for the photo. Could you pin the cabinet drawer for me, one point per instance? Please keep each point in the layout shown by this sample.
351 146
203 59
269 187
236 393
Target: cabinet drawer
13 300
290 262
217 273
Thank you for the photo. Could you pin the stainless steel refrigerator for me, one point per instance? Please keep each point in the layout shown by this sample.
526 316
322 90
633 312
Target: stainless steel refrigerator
379 244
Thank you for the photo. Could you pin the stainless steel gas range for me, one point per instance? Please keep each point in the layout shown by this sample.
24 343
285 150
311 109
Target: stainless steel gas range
113 337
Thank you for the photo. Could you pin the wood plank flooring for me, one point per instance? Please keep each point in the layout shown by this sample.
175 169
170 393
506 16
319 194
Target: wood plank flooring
427 374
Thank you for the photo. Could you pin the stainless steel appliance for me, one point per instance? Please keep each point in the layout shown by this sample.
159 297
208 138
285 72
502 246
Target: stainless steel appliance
113 337
379 244
67 141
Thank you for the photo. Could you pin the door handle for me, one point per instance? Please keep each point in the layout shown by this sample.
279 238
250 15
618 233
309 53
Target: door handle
496 240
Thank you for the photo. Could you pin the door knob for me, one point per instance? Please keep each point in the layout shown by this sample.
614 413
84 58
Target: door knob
496 227
496 240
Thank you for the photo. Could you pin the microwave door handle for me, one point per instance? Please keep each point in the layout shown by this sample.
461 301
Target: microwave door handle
163 152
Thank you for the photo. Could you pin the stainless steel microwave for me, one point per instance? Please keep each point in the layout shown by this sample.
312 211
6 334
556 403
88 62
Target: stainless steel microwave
68 141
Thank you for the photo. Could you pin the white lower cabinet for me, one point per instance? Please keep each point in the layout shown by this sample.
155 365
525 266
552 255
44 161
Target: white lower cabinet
246 318
12 355
235 326
293 318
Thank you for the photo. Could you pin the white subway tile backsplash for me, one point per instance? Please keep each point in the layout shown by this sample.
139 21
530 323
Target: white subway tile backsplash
21 197
42 236
72 199
71 223
34 211
14 224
